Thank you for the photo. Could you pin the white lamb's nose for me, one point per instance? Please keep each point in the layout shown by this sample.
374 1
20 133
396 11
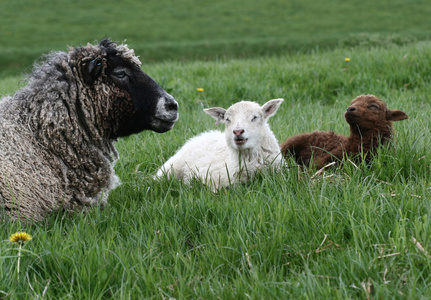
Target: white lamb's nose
238 132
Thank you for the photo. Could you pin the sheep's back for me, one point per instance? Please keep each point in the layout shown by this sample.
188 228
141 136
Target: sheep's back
203 154
304 147
29 187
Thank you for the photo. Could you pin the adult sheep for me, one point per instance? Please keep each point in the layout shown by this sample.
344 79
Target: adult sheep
57 133
222 159
370 127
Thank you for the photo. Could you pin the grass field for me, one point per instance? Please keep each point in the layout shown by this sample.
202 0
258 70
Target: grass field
188 29
352 232
349 233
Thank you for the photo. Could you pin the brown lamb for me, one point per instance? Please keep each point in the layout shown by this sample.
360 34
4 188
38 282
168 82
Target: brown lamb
370 126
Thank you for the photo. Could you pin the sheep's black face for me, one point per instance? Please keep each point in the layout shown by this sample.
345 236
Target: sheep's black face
139 103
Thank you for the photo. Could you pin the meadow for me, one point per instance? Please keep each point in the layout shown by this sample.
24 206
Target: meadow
353 232
187 30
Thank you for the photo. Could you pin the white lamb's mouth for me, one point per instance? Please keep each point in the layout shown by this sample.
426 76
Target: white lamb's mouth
240 141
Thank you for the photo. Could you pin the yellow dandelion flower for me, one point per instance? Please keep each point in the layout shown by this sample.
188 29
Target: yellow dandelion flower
20 238
347 59
200 89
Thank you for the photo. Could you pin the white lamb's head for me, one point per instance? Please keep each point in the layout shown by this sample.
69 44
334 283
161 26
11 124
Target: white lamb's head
245 122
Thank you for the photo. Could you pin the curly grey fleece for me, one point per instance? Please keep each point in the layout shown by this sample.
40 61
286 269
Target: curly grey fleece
57 135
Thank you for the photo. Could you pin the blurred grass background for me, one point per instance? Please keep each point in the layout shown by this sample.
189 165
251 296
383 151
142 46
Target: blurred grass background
189 30
344 235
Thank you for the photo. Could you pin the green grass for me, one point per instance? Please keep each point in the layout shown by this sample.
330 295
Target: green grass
345 234
188 29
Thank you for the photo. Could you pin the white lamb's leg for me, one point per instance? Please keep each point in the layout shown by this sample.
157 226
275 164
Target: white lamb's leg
166 169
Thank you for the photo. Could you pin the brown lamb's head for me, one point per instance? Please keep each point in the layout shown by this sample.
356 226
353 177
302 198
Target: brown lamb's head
368 112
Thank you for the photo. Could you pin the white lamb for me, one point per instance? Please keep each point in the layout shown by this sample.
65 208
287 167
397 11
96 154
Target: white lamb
220 160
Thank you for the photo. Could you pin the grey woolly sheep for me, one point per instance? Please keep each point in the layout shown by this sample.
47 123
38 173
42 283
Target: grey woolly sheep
57 133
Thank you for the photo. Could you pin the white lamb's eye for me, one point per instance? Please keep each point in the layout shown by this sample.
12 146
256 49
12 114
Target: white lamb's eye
227 120
254 118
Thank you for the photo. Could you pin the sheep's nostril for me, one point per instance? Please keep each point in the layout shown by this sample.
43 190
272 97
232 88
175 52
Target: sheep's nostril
351 109
238 132
172 106
170 103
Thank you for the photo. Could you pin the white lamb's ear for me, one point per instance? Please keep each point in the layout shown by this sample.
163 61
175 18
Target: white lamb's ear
270 108
217 113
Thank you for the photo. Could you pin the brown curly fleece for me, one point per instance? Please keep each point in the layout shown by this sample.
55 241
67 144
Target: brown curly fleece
370 126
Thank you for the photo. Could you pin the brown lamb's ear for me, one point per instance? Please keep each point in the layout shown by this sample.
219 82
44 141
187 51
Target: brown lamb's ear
396 115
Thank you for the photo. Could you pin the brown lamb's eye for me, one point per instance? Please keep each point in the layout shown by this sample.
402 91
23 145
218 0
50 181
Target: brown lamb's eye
373 106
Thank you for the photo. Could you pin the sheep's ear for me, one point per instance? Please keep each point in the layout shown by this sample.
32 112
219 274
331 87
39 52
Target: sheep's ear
270 108
217 113
396 115
92 70
95 67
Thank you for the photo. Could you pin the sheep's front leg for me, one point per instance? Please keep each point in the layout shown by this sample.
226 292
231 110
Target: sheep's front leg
327 158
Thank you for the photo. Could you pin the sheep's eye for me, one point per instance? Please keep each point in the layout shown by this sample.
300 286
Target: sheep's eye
254 118
373 106
227 120
119 74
